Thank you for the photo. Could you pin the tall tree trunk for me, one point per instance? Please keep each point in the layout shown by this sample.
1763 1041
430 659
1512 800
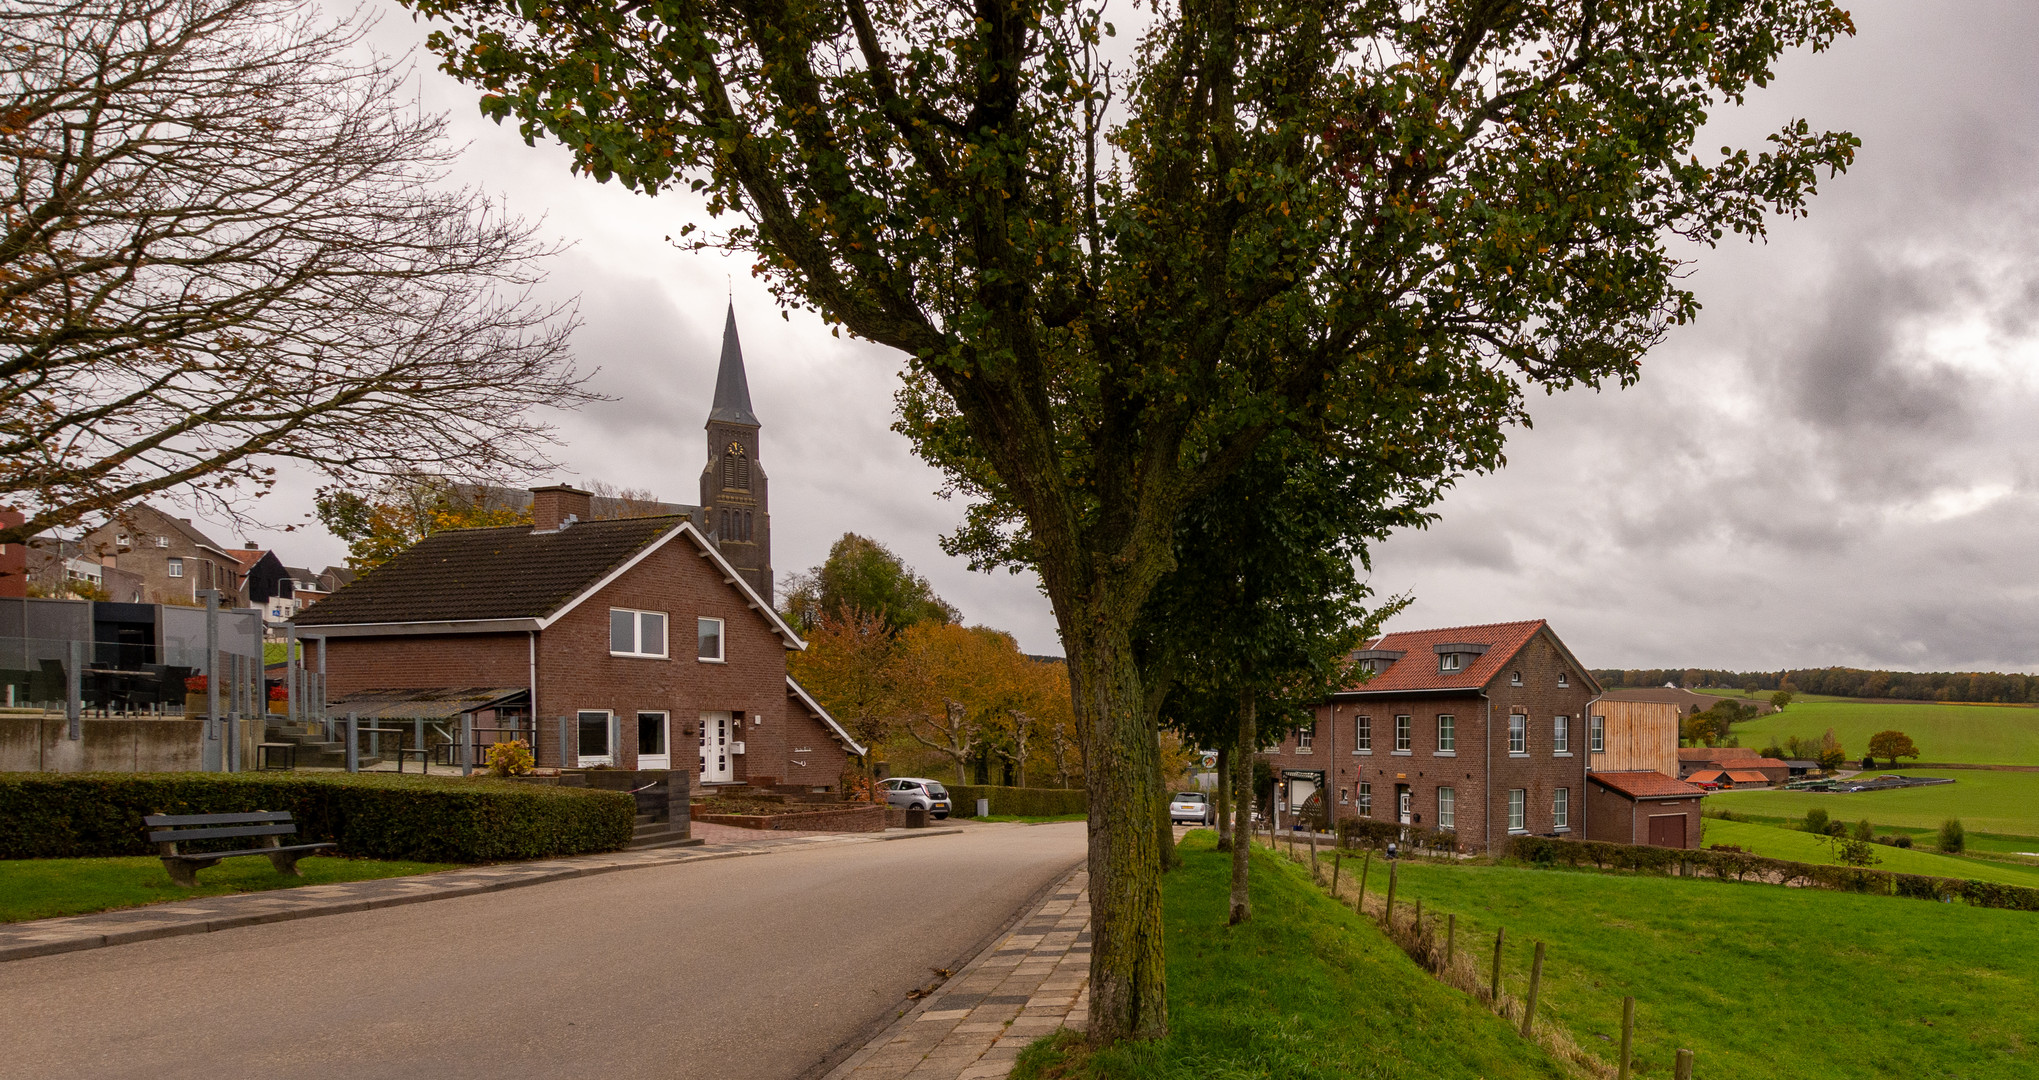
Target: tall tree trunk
1242 796
1127 972
1164 825
1224 793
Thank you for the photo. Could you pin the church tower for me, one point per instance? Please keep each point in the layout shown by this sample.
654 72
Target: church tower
736 512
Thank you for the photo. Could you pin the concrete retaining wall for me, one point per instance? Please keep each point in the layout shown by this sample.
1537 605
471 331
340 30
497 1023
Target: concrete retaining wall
150 744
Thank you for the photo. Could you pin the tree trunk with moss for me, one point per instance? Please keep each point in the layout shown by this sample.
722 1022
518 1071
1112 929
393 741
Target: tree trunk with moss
1242 800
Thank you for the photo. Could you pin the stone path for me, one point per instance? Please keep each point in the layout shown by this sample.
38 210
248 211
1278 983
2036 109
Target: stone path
1032 982
43 937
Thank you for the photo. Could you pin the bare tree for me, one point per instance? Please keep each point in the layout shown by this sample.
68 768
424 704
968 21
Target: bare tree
224 241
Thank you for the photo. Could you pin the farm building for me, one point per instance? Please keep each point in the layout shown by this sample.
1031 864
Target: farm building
1642 808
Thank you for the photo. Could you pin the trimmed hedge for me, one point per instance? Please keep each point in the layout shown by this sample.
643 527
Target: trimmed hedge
1741 865
374 815
1017 801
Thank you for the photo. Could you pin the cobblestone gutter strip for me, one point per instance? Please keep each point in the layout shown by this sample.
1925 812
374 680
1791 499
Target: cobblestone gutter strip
1031 982
44 937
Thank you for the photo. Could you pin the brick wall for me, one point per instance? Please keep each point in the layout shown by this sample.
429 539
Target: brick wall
425 660
1542 771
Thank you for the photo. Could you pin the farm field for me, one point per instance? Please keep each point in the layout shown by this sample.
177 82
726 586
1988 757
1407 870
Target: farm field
1894 988
1968 734
2006 803
1773 842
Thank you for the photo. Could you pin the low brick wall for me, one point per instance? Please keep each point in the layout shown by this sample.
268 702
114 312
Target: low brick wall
846 819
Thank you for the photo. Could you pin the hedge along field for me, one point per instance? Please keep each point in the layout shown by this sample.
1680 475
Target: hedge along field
1759 981
1016 801
1991 802
1968 734
374 815
1799 846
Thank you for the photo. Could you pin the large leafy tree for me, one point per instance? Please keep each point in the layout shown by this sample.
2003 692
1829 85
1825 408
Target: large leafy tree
1113 285
863 577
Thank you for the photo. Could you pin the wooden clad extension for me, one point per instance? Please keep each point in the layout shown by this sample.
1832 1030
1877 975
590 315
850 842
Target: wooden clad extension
1641 736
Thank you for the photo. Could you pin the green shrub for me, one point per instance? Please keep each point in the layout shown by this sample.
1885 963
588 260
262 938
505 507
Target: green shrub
1952 837
1816 821
381 816
1017 801
1863 832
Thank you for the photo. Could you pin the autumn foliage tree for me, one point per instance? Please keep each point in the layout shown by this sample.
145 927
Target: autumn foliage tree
1891 745
1111 285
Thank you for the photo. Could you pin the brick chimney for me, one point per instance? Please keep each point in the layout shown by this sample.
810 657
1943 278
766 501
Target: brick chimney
555 505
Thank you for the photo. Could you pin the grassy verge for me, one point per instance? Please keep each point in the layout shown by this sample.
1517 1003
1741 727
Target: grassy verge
1801 846
2005 803
1305 990
45 888
1761 981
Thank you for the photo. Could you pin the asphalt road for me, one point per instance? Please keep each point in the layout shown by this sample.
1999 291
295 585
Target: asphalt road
758 967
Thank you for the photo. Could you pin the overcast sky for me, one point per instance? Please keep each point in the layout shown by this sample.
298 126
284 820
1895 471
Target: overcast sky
1835 465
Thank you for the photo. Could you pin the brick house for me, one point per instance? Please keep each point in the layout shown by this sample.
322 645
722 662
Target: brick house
1642 808
174 560
582 624
1475 729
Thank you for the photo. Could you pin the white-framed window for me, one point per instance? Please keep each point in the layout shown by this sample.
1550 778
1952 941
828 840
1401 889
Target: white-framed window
708 638
1365 797
1561 808
1448 661
1402 734
1564 678
1518 798
1518 733
1447 808
637 633
1561 735
1362 734
1306 736
176 568
1447 734
1596 734
1515 678
162 541
595 737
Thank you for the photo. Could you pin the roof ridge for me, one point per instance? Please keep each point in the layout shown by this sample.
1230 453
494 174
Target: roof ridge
1472 626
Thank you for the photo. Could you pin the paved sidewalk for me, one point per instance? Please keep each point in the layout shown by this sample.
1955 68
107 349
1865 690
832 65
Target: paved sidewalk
1030 983
43 937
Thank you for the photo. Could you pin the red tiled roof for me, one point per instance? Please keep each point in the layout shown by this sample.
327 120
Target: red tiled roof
1747 776
1715 753
1645 785
1417 669
1760 763
1707 776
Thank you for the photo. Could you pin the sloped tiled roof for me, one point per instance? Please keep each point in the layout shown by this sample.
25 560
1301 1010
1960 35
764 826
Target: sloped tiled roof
1747 776
1417 669
502 573
1716 753
1707 776
1645 785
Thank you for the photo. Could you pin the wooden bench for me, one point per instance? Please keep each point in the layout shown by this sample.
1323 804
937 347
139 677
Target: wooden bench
267 824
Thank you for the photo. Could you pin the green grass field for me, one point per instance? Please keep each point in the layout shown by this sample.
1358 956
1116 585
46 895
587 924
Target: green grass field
1968 734
1306 990
2006 803
1800 846
1760 981
44 888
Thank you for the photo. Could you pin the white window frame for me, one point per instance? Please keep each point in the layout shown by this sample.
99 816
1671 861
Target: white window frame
162 541
1564 678
1561 810
1362 734
1596 734
174 567
1450 661
665 633
1447 735
1447 807
721 640
1364 797
1405 733
665 720
1306 737
1518 805
1518 734
1561 736
1515 678
585 760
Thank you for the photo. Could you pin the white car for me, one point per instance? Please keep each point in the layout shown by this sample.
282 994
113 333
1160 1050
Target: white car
918 793
1190 807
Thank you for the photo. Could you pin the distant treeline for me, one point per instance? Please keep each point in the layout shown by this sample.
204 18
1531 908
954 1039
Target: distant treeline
1844 682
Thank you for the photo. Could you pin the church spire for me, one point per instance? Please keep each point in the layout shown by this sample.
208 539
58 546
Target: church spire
732 389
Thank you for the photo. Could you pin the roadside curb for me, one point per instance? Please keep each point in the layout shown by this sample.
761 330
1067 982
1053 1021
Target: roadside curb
77 933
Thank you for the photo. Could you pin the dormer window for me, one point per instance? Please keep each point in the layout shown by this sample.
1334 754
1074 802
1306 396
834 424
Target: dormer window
1450 661
1456 656
1375 661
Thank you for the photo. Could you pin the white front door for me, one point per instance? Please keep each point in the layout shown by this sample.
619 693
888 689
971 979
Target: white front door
715 736
654 751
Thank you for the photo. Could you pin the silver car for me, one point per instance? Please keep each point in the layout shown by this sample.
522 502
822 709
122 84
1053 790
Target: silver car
1190 807
918 793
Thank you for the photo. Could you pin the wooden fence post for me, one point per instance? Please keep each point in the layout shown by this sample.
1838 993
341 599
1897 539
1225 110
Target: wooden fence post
1392 867
1499 934
1337 862
1365 865
1450 937
1535 981
1684 1068
1627 1034
1314 879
